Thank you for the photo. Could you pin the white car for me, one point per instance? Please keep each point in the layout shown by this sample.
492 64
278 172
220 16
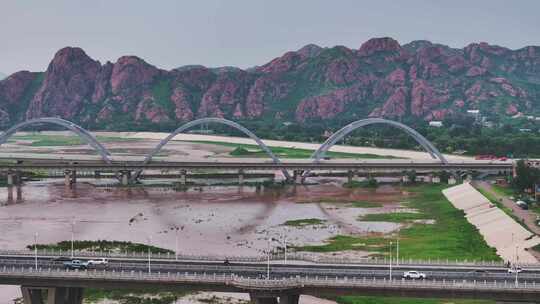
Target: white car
101 261
414 275
515 270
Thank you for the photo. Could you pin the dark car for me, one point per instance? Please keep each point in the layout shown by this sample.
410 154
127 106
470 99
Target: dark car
61 259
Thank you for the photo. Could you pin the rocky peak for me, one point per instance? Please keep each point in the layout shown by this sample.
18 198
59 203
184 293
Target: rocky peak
13 87
309 51
68 83
131 72
375 45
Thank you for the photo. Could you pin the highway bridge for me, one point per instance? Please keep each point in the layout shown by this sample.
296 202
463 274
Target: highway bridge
268 283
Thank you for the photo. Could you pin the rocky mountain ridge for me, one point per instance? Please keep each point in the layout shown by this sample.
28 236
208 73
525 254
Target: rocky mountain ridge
313 84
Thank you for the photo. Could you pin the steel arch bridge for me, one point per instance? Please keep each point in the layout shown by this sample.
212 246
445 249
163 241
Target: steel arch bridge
341 133
86 136
316 156
222 121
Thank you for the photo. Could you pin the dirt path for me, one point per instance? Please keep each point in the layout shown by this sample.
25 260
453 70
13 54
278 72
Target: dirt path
528 216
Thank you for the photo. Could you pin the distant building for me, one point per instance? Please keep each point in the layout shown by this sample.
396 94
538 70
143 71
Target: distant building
525 130
435 123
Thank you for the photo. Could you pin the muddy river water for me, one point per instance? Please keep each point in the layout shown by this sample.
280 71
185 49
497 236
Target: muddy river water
213 220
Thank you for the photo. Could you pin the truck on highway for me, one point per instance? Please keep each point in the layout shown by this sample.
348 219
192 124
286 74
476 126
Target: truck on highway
76 264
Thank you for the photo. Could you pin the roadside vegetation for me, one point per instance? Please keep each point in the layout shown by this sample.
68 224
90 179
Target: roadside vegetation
369 183
451 236
397 300
101 245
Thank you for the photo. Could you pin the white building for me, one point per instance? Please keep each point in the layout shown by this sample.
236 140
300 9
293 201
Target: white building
435 123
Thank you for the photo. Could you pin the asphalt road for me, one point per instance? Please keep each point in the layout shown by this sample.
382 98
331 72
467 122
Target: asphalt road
259 270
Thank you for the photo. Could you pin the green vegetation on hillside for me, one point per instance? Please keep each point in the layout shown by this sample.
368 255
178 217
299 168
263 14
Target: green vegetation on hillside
450 237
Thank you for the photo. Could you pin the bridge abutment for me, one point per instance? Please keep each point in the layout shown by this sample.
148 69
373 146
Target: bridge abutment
55 295
70 177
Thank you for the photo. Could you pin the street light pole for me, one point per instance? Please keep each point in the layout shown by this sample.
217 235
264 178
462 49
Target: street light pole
176 244
72 236
35 250
397 249
516 267
268 258
284 241
149 256
390 261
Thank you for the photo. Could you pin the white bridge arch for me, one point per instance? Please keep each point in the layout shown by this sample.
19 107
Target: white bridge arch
79 131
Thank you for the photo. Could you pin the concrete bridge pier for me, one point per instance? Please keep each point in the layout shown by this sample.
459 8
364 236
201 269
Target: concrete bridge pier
125 177
70 177
241 177
297 177
10 178
183 177
55 295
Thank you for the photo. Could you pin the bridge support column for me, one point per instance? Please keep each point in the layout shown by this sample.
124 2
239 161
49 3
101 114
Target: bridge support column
263 299
19 193
10 178
55 295
452 180
183 177
70 177
240 177
350 176
297 177
436 180
97 174
289 299
125 177
405 179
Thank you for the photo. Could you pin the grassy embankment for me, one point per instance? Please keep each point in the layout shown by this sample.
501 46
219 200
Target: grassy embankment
245 150
46 140
331 200
395 300
101 245
450 237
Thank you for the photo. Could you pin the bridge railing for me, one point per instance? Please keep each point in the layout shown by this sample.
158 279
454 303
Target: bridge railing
241 282
291 257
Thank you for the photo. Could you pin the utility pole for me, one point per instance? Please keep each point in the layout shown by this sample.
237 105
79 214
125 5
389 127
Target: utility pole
284 242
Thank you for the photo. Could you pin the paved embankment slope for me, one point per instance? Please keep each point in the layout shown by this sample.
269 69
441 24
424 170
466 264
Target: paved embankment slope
499 230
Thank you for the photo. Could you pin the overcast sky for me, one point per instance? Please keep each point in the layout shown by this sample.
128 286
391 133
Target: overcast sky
245 33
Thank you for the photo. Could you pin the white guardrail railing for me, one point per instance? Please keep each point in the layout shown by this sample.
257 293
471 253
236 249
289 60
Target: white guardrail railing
294 256
241 282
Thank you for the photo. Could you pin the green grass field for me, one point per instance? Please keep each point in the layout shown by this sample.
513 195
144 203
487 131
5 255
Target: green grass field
101 245
244 150
332 200
395 217
450 237
135 296
44 140
304 222
395 300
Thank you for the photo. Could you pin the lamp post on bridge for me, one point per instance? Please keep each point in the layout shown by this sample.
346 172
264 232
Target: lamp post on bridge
72 236
149 255
35 250
390 261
